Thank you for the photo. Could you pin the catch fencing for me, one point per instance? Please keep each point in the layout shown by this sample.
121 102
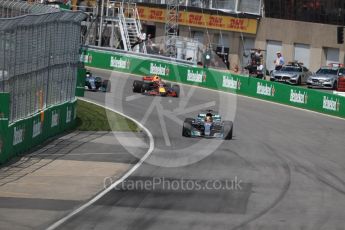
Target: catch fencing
39 56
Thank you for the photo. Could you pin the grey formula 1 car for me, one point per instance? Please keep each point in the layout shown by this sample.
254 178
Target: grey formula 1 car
207 124
94 83
293 73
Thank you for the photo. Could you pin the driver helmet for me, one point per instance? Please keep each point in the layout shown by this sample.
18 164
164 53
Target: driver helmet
209 117
156 78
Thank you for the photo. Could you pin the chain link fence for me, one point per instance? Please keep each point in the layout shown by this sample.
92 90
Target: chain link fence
39 55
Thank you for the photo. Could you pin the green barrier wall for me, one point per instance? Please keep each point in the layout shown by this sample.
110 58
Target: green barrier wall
80 90
22 135
223 81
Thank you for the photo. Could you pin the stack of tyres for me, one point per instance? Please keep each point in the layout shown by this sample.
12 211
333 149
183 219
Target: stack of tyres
341 84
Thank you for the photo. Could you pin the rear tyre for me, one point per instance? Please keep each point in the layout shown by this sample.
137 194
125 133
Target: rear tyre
137 85
187 127
176 88
227 130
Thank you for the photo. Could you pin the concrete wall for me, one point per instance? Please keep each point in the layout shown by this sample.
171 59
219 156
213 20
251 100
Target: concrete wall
318 36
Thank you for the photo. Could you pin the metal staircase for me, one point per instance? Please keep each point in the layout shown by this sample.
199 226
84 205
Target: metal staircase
124 20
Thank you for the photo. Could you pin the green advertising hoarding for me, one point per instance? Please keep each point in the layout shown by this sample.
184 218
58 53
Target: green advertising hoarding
20 136
218 80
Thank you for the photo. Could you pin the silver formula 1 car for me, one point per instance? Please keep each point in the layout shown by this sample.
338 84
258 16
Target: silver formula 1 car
207 124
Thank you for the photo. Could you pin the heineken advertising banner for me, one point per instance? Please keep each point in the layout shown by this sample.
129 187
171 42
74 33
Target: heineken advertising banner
18 137
218 80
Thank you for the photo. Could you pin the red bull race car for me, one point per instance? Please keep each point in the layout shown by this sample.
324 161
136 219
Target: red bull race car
154 86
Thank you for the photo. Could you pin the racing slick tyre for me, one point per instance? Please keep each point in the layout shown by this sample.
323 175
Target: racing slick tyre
137 85
106 85
176 88
187 127
145 87
227 130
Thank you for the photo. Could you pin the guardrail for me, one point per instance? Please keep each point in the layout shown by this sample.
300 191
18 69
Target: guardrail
309 99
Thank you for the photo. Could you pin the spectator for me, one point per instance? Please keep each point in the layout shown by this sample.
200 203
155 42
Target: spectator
149 44
258 55
279 62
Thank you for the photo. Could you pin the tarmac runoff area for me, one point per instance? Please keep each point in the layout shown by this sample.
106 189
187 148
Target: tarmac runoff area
46 184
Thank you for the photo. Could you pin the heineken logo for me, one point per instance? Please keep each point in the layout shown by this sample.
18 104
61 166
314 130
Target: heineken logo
265 89
159 70
18 135
196 76
86 58
299 97
55 119
69 115
330 103
37 128
231 83
119 63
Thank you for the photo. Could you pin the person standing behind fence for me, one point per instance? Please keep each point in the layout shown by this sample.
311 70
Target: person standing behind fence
279 61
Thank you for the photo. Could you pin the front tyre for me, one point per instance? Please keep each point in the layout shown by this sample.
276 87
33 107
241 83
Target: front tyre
137 85
187 127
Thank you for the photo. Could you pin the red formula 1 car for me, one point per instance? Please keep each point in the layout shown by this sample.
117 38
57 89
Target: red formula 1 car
154 86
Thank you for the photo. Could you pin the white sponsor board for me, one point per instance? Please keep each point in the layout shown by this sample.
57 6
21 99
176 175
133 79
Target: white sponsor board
68 115
55 118
37 128
86 58
18 135
75 113
195 76
119 63
299 97
330 103
265 89
159 69
230 82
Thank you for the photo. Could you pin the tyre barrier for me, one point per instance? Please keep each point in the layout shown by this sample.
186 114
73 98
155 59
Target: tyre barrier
341 84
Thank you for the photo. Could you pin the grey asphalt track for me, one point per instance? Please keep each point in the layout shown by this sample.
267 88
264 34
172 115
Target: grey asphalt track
290 165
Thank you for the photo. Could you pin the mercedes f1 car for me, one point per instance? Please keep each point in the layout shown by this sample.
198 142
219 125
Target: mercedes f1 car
154 86
94 83
207 124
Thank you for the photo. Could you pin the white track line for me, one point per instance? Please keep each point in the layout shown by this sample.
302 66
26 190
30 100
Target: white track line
124 177
239 95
